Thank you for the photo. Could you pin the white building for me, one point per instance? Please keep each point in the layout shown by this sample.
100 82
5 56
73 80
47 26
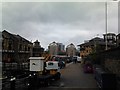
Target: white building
53 48
71 50
56 48
60 47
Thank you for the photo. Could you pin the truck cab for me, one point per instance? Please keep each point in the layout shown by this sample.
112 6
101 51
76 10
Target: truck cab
42 71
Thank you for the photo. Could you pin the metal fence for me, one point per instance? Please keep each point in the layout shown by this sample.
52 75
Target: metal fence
15 66
109 61
15 84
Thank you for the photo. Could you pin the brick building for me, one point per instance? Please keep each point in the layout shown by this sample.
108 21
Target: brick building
15 48
97 44
71 50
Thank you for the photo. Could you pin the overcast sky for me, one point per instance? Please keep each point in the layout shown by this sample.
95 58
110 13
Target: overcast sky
64 22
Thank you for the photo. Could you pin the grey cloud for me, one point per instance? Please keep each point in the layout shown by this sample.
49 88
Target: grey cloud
49 12
61 22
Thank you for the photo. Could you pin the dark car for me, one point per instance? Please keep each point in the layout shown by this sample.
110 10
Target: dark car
68 59
88 68
61 62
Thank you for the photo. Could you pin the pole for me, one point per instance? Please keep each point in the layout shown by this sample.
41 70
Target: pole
106 26
106 42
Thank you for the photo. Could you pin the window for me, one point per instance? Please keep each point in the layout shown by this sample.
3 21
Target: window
28 48
3 47
25 48
50 63
10 46
20 47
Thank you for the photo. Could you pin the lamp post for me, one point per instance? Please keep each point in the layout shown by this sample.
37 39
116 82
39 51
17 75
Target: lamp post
106 43
106 24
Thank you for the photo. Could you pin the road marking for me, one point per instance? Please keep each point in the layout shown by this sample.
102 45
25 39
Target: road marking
69 64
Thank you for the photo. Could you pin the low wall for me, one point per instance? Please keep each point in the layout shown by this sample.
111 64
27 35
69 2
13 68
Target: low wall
113 66
110 61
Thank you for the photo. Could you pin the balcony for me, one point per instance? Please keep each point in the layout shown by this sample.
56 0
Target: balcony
24 51
7 51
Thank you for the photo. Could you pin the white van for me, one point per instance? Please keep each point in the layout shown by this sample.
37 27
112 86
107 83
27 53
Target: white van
79 59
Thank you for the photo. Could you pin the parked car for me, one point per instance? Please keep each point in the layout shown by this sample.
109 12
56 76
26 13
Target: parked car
79 59
88 68
76 59
68 59
61 62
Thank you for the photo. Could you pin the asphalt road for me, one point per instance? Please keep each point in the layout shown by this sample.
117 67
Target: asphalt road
73 77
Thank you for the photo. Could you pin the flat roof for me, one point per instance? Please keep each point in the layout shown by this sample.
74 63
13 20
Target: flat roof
36 58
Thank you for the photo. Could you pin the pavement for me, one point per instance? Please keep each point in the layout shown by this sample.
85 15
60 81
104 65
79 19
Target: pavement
73 77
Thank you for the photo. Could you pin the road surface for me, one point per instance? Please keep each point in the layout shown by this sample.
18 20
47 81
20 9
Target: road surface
73 77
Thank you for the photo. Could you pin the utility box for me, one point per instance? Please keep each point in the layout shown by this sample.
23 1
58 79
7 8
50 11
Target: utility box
36 63
51 65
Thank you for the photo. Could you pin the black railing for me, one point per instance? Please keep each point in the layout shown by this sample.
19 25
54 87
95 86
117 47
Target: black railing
105 80
14 66
14 83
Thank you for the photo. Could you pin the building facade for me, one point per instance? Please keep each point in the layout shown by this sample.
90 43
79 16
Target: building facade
118 39
71 50
15 48
61 49
37 49
53 48
1 47
111 37
56 48
97 45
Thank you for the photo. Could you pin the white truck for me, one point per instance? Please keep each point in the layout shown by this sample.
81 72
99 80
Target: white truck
42 72
79 59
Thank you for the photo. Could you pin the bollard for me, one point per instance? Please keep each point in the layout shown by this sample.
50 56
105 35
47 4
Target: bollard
12 84
32 82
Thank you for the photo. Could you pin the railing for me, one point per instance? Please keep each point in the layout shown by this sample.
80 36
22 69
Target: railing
15 84
14 66
105 80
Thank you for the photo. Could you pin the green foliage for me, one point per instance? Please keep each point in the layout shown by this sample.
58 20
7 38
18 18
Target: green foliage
95 58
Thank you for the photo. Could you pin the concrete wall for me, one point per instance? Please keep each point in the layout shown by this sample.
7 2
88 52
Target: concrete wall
113 66
111 60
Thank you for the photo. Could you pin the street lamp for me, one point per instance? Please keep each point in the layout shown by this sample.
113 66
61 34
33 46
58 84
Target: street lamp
106 26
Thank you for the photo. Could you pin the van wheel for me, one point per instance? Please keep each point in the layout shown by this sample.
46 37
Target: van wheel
57 76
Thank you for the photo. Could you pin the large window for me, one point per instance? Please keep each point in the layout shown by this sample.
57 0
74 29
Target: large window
20 47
